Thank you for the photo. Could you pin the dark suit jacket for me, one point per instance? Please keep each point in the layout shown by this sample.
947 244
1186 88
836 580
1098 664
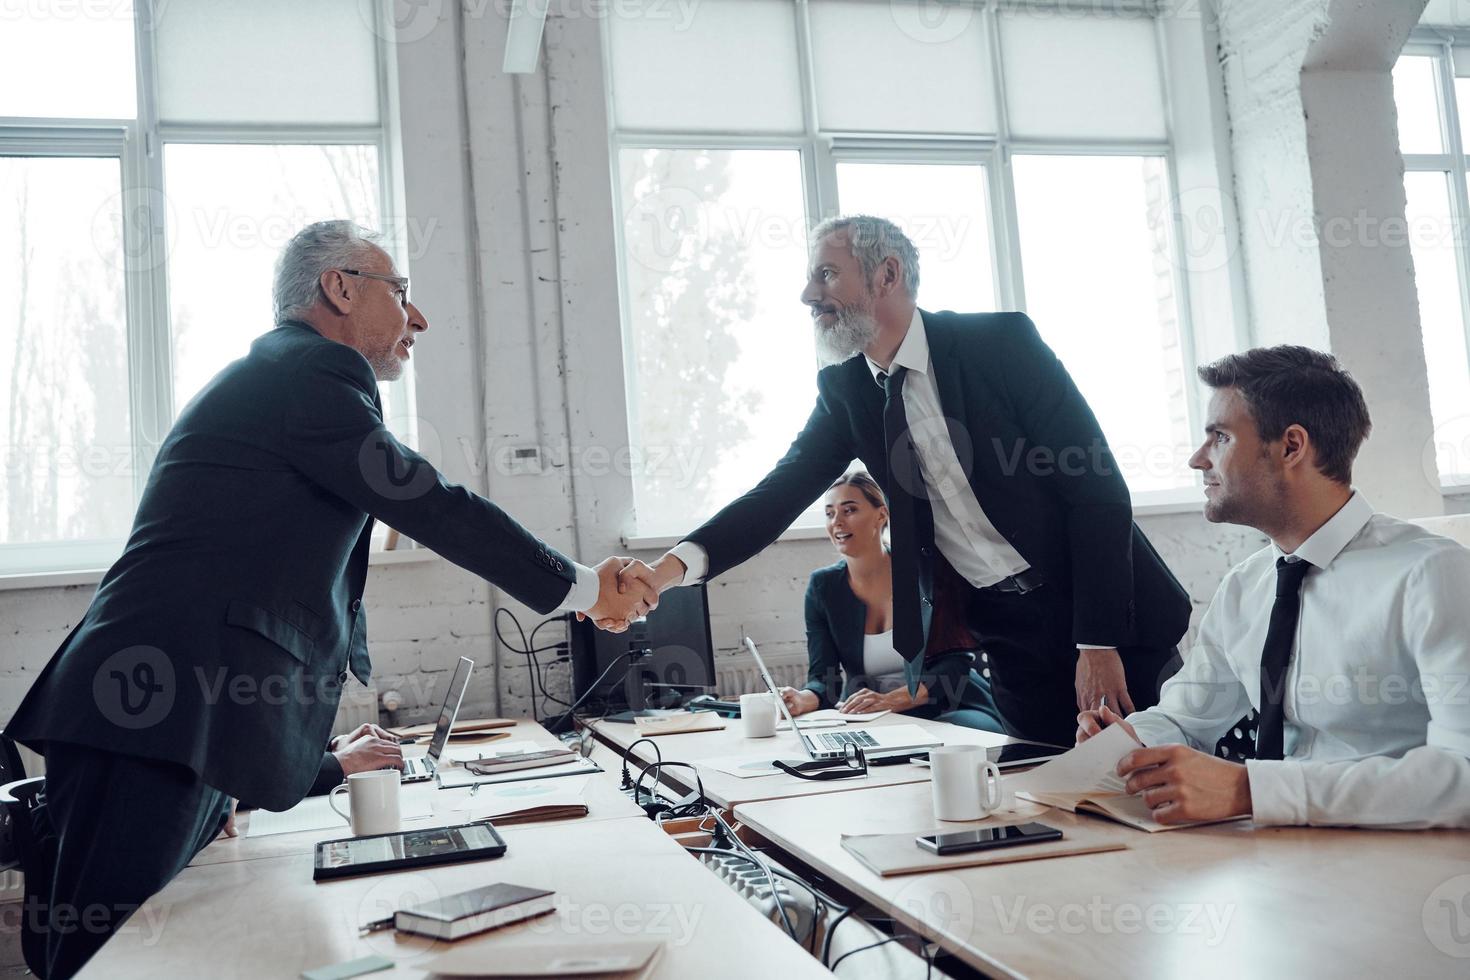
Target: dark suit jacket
1037 462
835 622
221 637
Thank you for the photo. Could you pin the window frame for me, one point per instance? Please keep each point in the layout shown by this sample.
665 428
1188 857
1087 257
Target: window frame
1439 43
820 152
139 144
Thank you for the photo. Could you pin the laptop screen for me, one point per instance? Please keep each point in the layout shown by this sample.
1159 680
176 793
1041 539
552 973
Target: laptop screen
447 713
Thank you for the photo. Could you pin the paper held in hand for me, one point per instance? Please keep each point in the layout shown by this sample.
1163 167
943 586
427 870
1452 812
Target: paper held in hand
1085 780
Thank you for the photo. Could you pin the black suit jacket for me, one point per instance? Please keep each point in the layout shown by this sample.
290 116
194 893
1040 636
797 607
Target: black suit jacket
1037 462
221 637
835 623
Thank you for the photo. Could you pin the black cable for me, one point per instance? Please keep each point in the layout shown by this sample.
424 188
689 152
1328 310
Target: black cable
923 951
832 931
698 782
593 686
628 777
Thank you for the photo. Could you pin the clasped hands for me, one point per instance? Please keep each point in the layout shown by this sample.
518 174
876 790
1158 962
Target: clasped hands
628 589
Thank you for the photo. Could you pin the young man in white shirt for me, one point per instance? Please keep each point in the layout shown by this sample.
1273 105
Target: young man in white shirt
1349 633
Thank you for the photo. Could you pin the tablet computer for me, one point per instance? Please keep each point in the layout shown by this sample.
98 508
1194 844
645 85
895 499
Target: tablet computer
406 849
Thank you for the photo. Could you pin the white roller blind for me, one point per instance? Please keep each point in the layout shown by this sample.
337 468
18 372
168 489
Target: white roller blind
268 61
714 65
902 67
1082 78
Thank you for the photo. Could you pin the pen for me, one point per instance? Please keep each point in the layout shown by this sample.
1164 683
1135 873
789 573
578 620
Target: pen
377 925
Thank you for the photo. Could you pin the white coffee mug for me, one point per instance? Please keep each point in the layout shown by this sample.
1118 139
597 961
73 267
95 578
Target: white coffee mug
966 783
372 802
758 715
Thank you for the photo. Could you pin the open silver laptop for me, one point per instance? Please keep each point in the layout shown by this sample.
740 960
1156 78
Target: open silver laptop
421 769
887 740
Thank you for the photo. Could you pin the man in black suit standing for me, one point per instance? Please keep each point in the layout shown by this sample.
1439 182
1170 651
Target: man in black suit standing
209 665
993 462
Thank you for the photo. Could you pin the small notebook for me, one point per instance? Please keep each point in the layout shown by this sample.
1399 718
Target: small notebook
629 958
898 854
679 723
467 913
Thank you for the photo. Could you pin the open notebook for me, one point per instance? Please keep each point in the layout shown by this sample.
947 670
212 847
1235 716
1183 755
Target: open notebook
1085 780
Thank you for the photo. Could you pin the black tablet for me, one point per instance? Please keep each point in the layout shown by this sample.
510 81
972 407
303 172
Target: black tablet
406 849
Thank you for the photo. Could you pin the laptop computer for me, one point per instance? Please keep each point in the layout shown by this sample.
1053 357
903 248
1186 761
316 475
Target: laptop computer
422 769
875 742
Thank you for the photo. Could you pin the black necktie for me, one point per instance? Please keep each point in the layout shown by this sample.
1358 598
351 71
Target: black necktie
1276 657
904 480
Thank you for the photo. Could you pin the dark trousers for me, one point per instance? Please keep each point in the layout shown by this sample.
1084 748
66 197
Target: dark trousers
123 827
1033 662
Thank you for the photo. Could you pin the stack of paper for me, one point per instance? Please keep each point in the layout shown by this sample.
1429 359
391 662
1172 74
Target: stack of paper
314 813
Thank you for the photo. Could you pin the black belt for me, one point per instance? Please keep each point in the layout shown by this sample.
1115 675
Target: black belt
1022 582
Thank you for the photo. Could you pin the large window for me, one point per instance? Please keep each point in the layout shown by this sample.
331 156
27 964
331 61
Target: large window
1431 84
1024 149
154 159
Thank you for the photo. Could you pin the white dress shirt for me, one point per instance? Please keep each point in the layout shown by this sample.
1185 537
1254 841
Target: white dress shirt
1377 698
583 594
962 532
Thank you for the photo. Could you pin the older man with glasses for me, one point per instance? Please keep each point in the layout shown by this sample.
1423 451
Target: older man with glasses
210 663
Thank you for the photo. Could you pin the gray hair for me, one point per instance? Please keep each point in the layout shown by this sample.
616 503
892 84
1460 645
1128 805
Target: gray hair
872 241
312 251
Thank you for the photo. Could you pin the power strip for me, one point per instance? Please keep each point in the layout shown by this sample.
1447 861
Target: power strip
809 920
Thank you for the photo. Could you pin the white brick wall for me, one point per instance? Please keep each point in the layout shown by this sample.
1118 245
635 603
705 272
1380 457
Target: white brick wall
517 286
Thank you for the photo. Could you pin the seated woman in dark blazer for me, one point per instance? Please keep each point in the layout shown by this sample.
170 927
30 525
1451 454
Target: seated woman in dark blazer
849 628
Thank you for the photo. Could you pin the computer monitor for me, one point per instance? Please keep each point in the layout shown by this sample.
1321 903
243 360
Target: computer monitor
679 661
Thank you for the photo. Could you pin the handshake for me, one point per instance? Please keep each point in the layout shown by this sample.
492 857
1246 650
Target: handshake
629 588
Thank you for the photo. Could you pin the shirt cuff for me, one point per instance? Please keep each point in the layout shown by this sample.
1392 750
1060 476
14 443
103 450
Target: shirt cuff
1094 646
584 592
1278 792
695 559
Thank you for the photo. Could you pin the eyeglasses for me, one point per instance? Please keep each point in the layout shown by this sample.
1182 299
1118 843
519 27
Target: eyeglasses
401 282
854 762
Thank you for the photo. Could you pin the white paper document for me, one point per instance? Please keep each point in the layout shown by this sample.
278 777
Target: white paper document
491 801
314 813
464 753
1089 768
749 767
459 776
831 718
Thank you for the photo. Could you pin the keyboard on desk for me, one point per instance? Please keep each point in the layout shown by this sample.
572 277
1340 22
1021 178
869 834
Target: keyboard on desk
836 740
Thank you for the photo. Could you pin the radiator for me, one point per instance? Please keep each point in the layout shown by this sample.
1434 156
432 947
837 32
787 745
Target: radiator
359 705
736 675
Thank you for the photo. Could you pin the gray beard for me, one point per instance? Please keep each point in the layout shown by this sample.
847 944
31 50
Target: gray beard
851 334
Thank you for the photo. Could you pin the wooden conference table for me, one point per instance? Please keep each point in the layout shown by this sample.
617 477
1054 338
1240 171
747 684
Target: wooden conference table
248 907
1226 900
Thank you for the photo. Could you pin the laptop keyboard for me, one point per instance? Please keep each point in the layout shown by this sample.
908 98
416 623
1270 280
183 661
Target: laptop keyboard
413 767
836 740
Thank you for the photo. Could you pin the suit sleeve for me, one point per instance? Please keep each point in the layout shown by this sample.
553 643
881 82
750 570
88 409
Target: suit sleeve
820 454
333 433
328 776
824 664
1063 436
